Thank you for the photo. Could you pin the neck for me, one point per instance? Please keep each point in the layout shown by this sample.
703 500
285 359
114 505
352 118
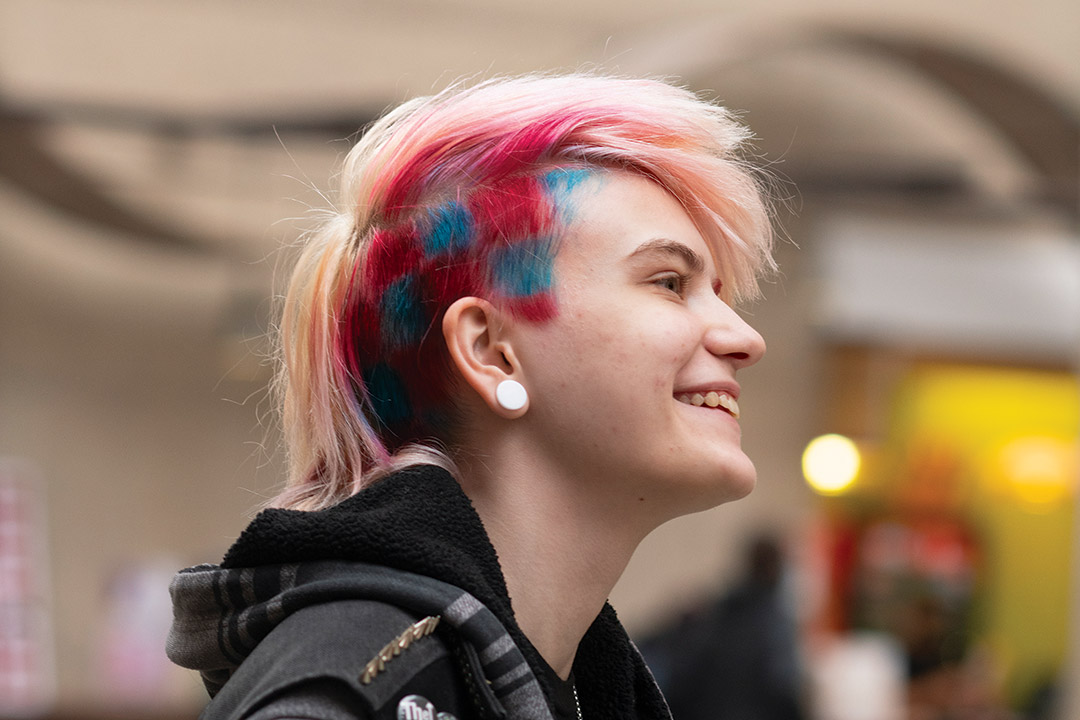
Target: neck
560 553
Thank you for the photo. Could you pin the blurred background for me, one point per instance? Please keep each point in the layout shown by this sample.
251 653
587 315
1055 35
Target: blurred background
910 551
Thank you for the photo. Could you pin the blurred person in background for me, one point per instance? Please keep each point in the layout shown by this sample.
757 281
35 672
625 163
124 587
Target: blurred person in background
507 358
737 658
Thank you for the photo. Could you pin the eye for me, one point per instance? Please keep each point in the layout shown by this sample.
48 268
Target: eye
672 282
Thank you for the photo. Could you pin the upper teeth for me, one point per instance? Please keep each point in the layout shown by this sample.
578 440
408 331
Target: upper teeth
711 399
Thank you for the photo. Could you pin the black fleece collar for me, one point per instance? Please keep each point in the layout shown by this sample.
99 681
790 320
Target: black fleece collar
419 520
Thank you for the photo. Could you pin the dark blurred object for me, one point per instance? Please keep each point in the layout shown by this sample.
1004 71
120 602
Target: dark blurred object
736 658
966 689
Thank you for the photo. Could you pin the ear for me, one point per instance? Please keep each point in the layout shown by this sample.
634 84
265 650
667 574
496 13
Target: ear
473 330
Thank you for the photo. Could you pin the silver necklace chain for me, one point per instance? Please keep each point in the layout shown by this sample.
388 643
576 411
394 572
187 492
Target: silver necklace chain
577 703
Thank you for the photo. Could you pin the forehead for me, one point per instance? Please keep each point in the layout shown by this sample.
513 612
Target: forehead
615 214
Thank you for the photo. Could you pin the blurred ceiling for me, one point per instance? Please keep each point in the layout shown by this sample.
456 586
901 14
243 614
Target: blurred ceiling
191 129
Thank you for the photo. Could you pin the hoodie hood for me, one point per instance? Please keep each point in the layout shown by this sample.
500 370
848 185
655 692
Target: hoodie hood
413 540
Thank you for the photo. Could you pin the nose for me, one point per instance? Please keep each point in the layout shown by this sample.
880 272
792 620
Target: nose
731 337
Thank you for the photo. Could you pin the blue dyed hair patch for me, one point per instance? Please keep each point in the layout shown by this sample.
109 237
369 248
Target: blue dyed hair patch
451 229
522 269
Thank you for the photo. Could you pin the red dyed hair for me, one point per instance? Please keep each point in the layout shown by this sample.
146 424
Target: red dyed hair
466 193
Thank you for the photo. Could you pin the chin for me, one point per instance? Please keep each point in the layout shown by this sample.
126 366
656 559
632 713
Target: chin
742 486
734 486
714 490
736 479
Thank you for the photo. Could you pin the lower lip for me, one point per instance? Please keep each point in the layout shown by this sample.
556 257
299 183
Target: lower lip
722 411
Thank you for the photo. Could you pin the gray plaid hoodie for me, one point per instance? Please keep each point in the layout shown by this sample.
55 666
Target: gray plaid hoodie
413 541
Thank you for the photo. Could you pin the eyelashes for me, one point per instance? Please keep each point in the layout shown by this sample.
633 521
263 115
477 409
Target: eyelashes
673 282
677 283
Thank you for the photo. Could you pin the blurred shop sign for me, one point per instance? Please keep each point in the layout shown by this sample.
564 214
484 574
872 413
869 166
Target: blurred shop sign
27 675
998 290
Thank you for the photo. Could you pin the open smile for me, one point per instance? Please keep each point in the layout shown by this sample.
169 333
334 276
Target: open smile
712 399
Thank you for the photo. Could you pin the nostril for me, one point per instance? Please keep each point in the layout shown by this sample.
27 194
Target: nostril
739 355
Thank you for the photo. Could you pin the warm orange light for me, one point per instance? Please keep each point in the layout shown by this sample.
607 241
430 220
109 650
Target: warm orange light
1041 471
830 464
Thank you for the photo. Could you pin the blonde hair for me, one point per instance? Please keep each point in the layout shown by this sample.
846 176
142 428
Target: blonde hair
429 196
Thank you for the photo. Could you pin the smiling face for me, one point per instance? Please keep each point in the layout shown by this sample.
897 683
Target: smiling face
632 385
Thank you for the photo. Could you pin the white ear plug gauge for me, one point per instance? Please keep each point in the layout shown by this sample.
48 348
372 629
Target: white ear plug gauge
511 395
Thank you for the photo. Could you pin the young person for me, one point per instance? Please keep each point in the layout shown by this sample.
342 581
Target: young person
507 358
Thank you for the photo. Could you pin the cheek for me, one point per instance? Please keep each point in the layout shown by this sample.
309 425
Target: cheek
670 341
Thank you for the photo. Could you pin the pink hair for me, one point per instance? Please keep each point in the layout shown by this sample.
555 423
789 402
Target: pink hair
475 147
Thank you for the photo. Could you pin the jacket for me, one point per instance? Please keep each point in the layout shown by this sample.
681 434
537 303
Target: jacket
390 604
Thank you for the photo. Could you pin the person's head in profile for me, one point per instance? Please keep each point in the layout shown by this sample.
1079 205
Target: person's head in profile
526 291
580 239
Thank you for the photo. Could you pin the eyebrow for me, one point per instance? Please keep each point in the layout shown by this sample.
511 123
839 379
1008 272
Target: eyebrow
661 246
